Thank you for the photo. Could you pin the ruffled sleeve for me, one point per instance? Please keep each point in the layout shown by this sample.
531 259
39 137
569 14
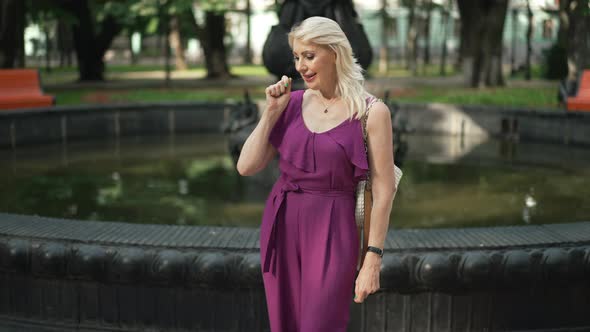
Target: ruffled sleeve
294 144
352 142
277 133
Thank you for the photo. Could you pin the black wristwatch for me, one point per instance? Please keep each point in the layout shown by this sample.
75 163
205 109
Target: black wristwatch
375 250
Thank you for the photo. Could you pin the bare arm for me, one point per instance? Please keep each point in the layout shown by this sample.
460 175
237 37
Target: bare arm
382 176
257 152
383 188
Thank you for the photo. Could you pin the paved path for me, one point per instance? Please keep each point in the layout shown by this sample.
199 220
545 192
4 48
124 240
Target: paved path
156 80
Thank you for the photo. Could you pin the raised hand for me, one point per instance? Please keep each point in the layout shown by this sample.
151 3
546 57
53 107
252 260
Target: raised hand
277 97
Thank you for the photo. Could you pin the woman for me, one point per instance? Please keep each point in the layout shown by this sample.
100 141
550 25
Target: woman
308 237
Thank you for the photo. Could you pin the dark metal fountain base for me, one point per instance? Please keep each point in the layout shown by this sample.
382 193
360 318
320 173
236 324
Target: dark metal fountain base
71 275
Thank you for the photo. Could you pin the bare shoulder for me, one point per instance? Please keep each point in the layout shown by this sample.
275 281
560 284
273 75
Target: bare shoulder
379 118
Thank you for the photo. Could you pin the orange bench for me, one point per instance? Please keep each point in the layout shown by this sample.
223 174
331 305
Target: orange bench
581 101
21 88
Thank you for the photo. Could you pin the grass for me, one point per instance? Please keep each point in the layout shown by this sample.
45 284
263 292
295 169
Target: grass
76 97
432 70
534 97
70 74
537 72
508 96
249 70
540 97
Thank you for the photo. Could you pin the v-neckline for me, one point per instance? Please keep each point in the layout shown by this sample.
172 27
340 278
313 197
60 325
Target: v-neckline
305 124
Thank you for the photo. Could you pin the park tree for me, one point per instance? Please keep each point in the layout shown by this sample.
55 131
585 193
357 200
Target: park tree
445 8
419 19
482 27
529 41
411 49
574 35
428 7
95 25
203 19
386 22
12 27
210 30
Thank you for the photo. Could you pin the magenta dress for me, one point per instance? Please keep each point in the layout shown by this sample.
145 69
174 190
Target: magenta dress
308 238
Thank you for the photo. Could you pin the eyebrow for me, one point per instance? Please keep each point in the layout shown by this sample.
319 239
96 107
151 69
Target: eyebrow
304 52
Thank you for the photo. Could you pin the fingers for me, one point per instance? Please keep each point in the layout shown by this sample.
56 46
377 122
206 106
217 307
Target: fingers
273 91
359 298
289 84
285 83
362 290
359 293
281 87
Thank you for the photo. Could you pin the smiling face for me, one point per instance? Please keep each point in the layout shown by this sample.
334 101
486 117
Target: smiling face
316 64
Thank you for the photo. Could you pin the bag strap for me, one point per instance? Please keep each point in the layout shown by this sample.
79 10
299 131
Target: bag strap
372 101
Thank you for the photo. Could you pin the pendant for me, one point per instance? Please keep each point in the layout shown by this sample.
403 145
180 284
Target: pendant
326 110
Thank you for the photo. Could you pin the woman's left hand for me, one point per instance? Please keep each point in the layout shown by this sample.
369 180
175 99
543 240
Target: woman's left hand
367 281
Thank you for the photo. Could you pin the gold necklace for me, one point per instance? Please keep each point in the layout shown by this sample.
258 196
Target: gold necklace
329 104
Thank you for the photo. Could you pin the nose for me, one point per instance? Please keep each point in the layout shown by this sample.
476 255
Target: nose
299 66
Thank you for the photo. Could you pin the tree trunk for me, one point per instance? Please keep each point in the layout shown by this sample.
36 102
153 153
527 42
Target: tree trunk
12 28
513 46
248 51
443 57
586 50
412 41
214 47
167 53
48 48
132 55
64 43
426 55
176 44
383 50
210 36
90 47
564 39
573 34
529 37
458 63
482 24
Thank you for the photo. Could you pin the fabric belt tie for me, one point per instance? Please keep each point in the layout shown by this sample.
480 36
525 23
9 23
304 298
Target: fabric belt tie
269 241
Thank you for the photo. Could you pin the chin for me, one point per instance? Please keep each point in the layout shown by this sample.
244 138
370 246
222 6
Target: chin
312 85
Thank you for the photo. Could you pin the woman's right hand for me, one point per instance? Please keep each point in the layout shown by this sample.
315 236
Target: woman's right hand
277 97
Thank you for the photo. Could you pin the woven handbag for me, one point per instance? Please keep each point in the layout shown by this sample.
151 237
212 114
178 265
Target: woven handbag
364 195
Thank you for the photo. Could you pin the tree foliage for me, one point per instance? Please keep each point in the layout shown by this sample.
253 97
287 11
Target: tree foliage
97 22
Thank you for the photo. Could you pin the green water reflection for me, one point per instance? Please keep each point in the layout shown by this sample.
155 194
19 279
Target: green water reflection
189 185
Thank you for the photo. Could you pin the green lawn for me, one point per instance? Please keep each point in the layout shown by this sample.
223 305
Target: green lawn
76 97
396 70
542 97
121 72
508 97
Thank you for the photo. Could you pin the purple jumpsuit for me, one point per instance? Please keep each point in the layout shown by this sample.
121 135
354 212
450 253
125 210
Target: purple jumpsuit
308 238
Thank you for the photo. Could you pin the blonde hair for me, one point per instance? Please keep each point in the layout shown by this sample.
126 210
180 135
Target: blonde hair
350 80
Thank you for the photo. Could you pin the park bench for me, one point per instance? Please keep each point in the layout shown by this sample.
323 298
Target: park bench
581 101
21 88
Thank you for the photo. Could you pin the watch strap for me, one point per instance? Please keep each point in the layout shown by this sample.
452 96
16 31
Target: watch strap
376 250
